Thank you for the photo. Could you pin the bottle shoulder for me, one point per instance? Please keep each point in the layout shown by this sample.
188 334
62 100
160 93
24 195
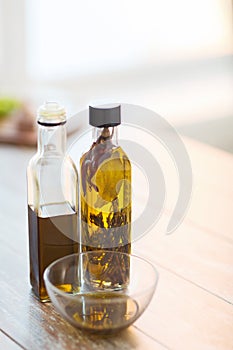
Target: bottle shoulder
33 161
69 163
97 158
118 149
97 151
64 162
40 158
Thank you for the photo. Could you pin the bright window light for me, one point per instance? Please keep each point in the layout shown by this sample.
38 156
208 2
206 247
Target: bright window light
73 38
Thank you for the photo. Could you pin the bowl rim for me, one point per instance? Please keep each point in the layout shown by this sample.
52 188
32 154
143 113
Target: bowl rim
65 294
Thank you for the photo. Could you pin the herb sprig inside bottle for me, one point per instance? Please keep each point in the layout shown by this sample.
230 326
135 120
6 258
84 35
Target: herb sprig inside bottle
106 201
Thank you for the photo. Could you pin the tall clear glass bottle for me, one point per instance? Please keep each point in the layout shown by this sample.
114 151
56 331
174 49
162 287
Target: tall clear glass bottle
106 199
52 198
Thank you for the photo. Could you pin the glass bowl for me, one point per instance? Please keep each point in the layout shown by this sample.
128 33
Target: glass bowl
101 291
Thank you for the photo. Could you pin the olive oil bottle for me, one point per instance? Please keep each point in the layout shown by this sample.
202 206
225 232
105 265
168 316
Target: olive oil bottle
52 198
106 201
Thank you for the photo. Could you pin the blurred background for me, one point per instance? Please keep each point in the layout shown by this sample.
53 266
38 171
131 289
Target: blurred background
174 57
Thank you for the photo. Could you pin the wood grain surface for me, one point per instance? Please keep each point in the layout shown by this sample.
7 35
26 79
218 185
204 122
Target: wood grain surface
192 306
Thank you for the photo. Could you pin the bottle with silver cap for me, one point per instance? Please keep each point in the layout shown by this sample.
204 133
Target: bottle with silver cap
105 192
52 197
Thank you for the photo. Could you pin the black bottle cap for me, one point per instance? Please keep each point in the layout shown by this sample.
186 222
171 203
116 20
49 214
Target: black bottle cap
104 116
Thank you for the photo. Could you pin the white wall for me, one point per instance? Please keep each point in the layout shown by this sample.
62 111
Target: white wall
170 56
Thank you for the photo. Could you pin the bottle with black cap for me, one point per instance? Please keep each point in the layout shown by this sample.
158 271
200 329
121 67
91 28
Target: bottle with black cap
106 200
52 197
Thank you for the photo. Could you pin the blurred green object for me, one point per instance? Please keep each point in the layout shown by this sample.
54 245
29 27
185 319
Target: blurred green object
7 105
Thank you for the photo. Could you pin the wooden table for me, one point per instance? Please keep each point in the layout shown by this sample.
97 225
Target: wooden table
192 307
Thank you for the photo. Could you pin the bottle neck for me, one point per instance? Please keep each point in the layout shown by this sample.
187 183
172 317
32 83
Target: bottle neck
106 134
52 140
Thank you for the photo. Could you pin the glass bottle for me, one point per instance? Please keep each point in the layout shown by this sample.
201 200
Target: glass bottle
52 198
106 200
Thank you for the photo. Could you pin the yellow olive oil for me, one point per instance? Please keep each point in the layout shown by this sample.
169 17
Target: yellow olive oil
106 210
102 312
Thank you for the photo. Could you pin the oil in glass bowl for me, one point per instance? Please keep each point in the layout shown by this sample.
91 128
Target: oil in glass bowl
99 307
